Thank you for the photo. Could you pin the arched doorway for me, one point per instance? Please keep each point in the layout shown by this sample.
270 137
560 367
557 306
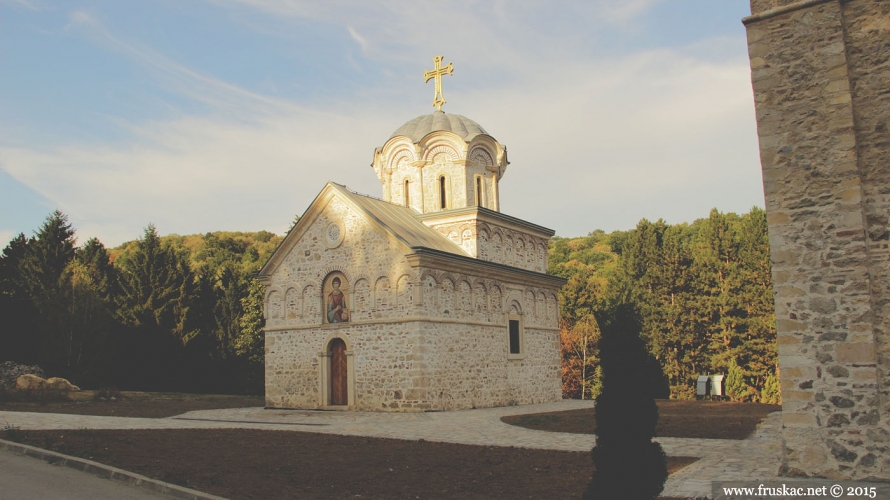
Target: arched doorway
339 373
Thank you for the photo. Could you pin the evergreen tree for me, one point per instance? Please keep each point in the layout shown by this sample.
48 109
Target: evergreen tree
94 257
16 308
89 343
628 464
157 287
42 278
157 292
84 340
772 392
736 388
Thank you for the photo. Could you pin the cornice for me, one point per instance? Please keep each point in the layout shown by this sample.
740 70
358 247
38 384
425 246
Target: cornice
435 259
784 9
485 215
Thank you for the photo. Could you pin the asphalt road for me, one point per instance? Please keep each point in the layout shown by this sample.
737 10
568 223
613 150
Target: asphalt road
26 478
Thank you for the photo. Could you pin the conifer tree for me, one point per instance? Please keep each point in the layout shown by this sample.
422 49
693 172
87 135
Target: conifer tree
736 388
157 287
628 464
157 292
16 308
772 392
42 278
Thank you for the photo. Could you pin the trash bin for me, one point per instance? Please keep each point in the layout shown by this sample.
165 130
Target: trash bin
717 384
703 386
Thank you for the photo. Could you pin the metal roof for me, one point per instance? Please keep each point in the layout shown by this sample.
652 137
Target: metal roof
421 126
401 221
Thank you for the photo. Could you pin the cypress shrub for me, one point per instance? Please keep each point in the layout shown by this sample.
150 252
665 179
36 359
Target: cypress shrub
629 465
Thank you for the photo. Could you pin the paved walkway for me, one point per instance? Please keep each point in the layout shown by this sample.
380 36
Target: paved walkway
755 458
26 478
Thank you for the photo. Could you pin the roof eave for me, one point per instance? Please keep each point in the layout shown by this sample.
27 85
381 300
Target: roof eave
436 259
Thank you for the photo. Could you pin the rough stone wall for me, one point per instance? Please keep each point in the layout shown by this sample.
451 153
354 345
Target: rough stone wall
422 165
498 244
819 72
469 368
416 366
373 264
388 365
418 337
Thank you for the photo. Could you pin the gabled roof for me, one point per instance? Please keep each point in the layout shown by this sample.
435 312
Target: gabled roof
401 222
422 244
398 221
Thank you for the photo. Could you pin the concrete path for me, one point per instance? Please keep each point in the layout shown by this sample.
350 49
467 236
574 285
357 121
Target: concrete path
756 458
27 478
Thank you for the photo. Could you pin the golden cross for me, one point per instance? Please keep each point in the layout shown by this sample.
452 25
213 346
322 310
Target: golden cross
437 73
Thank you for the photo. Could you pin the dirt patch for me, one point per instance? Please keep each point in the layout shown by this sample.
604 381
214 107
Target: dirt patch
135 404
254 464
682 419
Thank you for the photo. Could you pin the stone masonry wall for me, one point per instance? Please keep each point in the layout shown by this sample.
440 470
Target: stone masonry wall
494 243
421 166
819 72
416 366
468 367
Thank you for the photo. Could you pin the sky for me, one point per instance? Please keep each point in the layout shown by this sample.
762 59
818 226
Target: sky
231 115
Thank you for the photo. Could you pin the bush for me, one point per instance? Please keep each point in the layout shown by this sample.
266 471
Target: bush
107 394
772 392
629 465
12 432
10 371
736 386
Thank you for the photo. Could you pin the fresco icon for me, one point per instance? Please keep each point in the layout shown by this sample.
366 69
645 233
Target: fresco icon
336 291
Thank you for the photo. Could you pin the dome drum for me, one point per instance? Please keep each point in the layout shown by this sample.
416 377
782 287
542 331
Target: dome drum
439 162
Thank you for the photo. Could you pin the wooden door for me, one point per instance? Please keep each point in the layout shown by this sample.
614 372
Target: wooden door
339 384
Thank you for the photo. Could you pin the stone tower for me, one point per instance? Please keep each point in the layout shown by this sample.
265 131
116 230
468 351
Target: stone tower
820 71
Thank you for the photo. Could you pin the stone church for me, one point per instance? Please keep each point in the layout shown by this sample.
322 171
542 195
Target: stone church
427 299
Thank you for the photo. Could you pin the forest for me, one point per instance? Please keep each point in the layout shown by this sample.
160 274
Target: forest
184 313
702 293
172 313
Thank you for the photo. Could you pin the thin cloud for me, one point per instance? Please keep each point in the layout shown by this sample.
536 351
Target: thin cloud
5 237
362 41
593 139
622 11
26 4
595 142
509 32
215 92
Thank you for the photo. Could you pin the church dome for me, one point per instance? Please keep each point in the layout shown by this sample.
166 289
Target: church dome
419 127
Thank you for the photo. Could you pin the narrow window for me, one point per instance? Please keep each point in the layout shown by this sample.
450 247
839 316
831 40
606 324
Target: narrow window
407 194
478 191
442 192
515 347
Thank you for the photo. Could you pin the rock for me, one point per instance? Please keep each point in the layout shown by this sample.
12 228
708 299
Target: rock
61 384
32 382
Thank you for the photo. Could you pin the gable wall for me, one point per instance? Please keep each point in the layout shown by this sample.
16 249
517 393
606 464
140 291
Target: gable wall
380 284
